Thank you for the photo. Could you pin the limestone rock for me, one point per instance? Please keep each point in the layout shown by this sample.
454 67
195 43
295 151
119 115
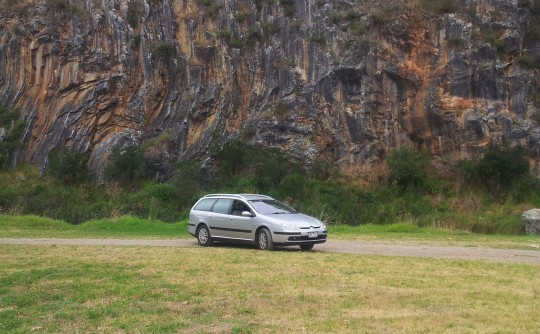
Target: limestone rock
531 219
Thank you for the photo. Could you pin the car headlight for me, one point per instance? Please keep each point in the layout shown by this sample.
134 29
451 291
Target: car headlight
322 224
290 227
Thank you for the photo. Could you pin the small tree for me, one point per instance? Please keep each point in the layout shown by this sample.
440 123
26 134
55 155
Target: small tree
11 131
127 167
68 167
498 169
408 168
188 180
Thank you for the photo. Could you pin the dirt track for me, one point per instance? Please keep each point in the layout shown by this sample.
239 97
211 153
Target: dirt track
336 246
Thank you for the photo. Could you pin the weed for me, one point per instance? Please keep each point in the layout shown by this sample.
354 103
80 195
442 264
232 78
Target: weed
133 15
253 35
288 7
528 61
280 109
456 42
319 37
440 6
240 17
164 50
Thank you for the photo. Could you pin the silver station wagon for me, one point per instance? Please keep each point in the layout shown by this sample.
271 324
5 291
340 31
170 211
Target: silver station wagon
254 219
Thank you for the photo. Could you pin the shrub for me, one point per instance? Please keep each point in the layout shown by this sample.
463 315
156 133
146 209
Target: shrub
68 167
211 8
408 168
254 34
164 50
319 38
188 181
240 17
11 131
288 7
280 109
492 37
497 170
133 15
381 15
456 42
440 6
235 43
529 62
127 167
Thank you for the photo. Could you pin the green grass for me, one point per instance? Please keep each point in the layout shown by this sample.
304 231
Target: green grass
410 234
121 227
70 289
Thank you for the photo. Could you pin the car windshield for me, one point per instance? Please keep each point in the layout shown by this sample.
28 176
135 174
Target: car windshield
271 207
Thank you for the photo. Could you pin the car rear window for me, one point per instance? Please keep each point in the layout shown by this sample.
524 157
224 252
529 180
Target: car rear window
222 206
205 204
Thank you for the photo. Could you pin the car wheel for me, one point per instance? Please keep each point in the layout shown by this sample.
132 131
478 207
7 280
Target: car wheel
306 247
203 236
264 239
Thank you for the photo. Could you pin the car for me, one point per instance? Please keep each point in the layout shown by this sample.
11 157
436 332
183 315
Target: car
255 219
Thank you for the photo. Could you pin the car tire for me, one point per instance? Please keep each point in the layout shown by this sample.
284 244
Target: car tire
203 236
264 239
307 247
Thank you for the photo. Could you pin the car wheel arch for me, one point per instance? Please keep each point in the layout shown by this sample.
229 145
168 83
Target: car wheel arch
259 229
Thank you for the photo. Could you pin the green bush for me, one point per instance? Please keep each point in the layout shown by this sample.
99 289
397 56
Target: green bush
68 167
211 8
127 167
164 50
408 168
11 129
529 61
133 15
440 6
288 7
240 17
253 35
498 170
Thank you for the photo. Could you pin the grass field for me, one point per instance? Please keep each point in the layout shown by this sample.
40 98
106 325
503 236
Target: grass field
70 289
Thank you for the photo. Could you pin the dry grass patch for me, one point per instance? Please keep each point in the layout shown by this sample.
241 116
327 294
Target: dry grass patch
231 290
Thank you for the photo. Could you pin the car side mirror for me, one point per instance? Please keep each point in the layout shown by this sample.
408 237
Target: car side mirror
246 214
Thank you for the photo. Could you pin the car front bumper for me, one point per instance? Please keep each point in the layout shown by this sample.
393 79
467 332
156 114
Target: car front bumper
299 238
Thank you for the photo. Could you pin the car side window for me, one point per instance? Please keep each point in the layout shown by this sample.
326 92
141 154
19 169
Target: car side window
222 206
239 207
205 204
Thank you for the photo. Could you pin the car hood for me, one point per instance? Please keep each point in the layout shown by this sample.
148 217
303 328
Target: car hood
299 219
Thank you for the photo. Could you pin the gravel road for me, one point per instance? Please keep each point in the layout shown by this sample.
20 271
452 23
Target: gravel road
334 246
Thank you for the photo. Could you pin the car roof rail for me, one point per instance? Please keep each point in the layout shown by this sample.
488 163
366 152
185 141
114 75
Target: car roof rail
219 195
242 196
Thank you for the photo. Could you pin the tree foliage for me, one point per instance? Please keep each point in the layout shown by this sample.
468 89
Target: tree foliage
127 167
68 167
408 168
497 169
11 131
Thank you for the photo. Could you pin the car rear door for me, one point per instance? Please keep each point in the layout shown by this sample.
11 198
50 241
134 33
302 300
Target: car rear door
220 219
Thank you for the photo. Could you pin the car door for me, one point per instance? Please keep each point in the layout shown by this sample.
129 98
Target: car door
220 219
241 227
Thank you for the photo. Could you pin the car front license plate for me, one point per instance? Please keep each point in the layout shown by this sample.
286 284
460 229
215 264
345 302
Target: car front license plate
312 234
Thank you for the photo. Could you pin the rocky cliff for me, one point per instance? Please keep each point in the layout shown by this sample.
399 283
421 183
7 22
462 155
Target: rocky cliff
343 80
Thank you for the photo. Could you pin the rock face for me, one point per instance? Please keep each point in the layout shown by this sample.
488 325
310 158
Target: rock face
342 80
531 219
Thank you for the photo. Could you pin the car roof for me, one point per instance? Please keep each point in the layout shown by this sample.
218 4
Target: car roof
246 197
